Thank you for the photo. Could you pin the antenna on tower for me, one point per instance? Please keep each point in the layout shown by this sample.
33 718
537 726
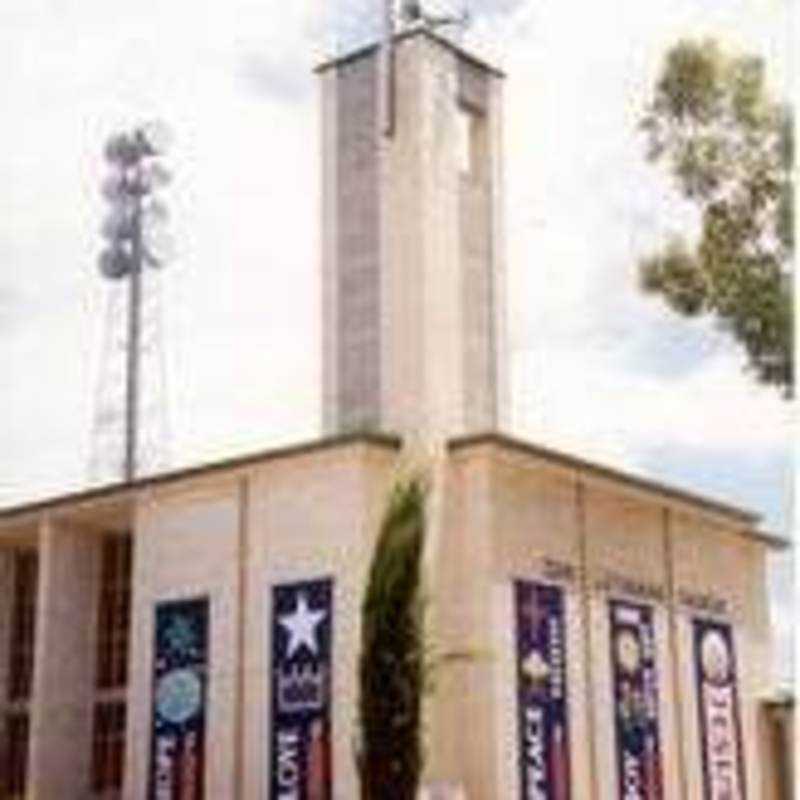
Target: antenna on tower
413 12
135 240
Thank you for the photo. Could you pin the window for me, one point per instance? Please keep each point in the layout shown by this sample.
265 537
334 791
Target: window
14 763
21 648
471 141
113 636
23 625
114 610
464 139
108 749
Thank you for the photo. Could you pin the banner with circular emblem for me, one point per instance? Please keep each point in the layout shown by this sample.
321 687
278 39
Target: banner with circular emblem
635 691
180 677
718 706
544 755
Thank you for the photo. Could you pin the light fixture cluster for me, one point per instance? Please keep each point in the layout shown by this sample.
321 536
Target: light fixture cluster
134 229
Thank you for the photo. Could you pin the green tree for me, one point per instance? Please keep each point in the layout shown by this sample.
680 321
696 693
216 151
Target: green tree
730 149
392 664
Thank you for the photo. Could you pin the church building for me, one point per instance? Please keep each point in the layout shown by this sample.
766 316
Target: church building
195 635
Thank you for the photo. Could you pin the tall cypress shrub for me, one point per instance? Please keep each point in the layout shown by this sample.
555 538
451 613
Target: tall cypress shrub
392 660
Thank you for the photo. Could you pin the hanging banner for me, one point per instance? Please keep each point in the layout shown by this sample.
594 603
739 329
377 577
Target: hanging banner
718 704
300 730
635 683
541 691
180 677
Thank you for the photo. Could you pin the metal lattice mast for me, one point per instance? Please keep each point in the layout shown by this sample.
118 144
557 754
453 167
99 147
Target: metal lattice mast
125 441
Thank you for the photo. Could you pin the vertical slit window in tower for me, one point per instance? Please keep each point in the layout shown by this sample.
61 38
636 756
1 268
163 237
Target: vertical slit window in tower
23 625
465 140
113 635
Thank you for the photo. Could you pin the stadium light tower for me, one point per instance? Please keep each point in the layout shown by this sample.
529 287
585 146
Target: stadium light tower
133 237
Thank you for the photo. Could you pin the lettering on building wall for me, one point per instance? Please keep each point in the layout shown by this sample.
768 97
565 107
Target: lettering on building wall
617 582
704 602
558 571
635 693
180 676
718 706
541 691
300 729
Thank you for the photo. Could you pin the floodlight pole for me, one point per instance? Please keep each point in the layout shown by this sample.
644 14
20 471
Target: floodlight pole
133 156
134 331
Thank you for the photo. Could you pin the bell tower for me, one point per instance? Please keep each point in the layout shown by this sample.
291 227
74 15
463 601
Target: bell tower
413 269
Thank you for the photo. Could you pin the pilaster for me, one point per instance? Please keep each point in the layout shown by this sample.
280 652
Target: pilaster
63 683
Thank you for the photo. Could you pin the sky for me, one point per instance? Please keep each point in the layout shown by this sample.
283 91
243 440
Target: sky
598 369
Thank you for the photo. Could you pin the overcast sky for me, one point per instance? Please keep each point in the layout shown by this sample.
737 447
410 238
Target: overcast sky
598 370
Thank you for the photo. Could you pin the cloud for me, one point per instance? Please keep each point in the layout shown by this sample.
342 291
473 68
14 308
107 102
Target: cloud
9 308
273 75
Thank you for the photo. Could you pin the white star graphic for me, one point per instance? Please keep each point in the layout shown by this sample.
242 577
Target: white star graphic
301 626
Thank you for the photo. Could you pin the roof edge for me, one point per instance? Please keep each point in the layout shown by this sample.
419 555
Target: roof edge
369 49
740 515
377 439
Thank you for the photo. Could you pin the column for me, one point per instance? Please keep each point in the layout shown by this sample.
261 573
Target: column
64 674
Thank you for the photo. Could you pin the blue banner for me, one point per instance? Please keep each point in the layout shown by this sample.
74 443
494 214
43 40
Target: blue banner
635 684
718 706
541 691
300 730
180 677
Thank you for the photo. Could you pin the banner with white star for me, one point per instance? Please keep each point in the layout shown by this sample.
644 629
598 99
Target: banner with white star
300 730
180 677
635 688
544 756
718 706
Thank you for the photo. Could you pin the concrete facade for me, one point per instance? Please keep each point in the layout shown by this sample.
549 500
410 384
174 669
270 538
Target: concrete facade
510 511
514 512
413 256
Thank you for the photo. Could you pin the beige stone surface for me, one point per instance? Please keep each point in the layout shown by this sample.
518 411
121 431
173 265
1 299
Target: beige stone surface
516 516
186 546
314 518
731 569
413 249
231 534
63 687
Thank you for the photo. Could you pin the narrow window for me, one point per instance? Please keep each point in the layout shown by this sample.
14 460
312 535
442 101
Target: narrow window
114 609
113 638
471 140
464 139
23 625
108 749
21 648
14 772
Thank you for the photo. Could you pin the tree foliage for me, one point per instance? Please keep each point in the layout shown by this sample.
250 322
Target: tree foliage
730 150
392 667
